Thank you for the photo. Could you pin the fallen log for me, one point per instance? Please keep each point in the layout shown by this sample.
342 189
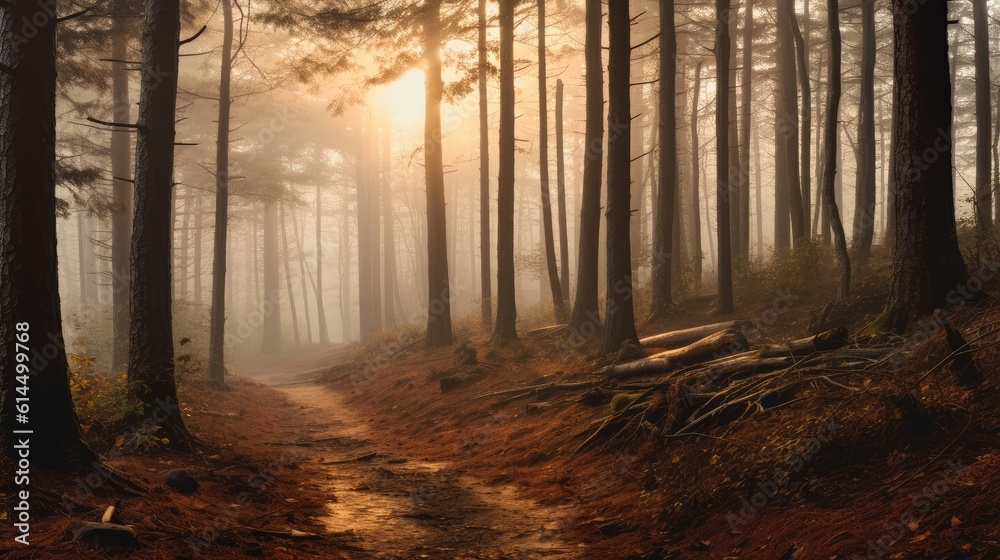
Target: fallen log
833 339
684 337
720 344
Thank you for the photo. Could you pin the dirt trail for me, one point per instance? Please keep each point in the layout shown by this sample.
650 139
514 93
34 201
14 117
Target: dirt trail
406 507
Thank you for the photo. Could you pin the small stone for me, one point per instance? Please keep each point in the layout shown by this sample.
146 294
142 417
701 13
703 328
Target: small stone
181 481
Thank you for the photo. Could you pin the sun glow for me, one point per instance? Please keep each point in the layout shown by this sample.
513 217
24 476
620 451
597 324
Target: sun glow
404 99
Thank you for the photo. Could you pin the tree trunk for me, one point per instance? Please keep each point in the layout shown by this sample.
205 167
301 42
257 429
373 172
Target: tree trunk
344 268
746 98
802 59
151 344
760 190
439 294
197 250
586 320
121 162
506 327
324 333
555 286
390 286
271 306
561 194
864 205
927 263
733 183
619 325
663 229
285 248
366 279
182 270
699 257
830 143
486 281
788 196
981 33
300 250
29 278
723 53
217 328
374 224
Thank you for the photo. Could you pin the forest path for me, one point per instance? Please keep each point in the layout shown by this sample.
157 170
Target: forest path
406 507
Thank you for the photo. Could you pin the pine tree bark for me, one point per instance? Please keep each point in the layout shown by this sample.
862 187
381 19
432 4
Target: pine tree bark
390 285
561 193
324 333
366 279
984 115
151 344
619 325
506 327
805 130
439 291
830 143
699 257
555 285
485 274
788 196
586 320
29 290
723 54
927 263
663 229
285 249
746 101
217 327
864 205
121 162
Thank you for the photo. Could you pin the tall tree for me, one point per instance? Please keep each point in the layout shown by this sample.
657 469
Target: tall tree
506 327
788 196
746 101
151 344
324 333
217 328
981 35
555 285
439 291
367 281
699 258
723 48
485 279
121 160
619 325
29 291
561 192
663 230
802 61
927 263
586 319
286 261
271 339
830 144
864 205
390 285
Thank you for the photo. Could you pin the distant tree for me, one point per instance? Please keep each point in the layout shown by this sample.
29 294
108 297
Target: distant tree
864 205
506 327
830 143
723 47
663 230
151 344
586 320
746 105
805 141
217 324
695 171
561 191
485 250
271 337
619 325
29 291
555 285
981 35
927 263
788 196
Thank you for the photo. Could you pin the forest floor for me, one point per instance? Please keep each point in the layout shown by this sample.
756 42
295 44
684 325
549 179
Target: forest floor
358 448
